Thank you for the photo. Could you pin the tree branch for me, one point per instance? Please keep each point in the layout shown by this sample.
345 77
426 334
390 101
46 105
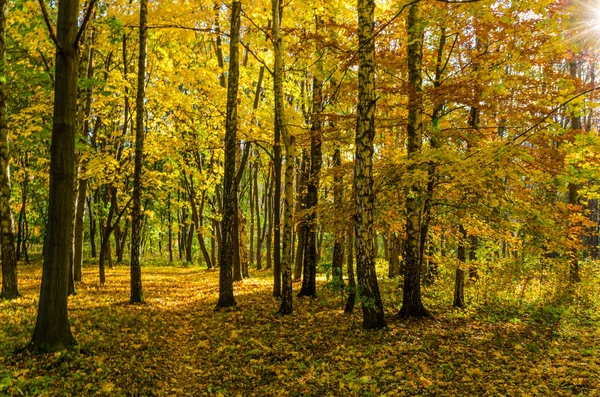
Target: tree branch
86 18
49 24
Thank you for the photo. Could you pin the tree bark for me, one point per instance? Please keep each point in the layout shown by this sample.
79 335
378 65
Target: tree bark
269 216
22 224
282 265
52 331
338 195
226 297
137 292
372 306
412 305
243 245
351 280
309 279
10 285
459 279
300 206
259 240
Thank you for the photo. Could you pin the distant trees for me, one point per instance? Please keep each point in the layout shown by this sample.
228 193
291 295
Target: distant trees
469 133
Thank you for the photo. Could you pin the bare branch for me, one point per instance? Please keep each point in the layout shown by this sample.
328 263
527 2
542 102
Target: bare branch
86 18
49 24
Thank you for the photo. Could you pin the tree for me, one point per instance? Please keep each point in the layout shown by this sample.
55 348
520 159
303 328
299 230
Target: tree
411 303
52 330
309 280
276 14
338 245
10 286
288 140
226 297
368 288
137 293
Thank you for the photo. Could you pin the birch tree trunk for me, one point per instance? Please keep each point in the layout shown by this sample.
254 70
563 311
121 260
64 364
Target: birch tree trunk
368 288
412 305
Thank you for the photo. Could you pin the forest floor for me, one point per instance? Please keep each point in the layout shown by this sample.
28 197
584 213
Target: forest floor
177 345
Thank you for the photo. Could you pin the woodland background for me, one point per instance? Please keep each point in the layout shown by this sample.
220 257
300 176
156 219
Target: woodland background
428 159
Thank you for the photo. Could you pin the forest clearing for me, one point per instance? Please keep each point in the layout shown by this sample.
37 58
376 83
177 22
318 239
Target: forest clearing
177 345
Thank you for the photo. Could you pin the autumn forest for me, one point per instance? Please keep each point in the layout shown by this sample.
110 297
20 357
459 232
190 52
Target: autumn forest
268 197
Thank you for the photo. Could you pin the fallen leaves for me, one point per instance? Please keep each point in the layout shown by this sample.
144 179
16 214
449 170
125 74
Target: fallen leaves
176 345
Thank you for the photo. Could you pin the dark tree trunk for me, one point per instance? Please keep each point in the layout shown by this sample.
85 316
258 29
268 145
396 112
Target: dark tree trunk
189 240
237 264
259 238
10 285
300 206
251 202
79 230
309 279
121 241
137 215
277 163
351 281
78 233
22 224
52 331
372 306
269 217
226 297
459 279
338 194
170 228
243 245
92 227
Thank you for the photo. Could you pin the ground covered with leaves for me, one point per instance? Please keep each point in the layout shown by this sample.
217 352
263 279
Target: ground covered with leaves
177 345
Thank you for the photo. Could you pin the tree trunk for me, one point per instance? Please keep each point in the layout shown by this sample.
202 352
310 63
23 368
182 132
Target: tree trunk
251 202
282 265
351 281
78 232
338 245
309 279
259 239
189 240
52 331
459 279
92 227
243 245
10 285
170 228
372 306
22 227
301 228
137 293
79 229
269 216
277 123
226 297
412 305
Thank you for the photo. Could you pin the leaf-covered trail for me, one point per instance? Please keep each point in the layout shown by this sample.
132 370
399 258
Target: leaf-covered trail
176 345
